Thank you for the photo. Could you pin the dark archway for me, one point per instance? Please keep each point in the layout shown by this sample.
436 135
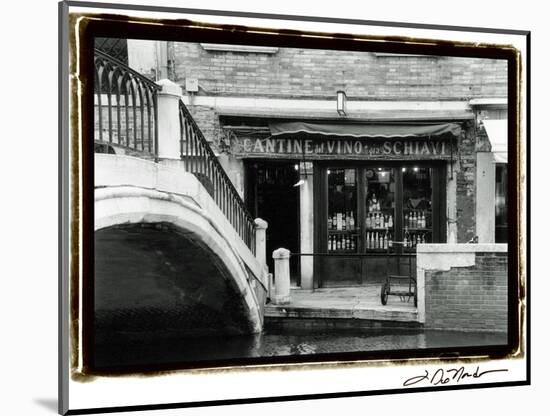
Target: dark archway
156 286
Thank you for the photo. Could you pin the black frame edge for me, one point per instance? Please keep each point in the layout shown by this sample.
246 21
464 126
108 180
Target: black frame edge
63 209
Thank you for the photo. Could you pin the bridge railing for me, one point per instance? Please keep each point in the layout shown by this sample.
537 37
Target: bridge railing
126 115
125 106
200 160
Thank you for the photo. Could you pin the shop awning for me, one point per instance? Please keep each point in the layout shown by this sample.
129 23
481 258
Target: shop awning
497 131
364 130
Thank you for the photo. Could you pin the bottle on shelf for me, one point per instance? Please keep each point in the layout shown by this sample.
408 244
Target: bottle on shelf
344 221
406 223
334 222
351 222
347 220
329 225
390 222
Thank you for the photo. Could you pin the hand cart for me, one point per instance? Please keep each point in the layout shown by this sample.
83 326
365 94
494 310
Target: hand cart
405 279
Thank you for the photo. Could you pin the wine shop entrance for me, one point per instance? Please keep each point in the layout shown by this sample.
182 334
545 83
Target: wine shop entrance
270 194
364 209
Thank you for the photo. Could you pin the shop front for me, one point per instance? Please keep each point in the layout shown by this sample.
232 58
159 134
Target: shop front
344 196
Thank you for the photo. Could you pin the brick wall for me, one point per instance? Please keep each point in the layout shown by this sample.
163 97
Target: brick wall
208 121
292 72
469 298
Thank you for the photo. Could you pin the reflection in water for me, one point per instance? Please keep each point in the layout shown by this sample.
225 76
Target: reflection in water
169 348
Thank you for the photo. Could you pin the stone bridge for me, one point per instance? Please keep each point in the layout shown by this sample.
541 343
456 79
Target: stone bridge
167 261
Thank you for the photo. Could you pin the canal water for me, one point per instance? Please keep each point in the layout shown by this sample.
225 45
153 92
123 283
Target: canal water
170 350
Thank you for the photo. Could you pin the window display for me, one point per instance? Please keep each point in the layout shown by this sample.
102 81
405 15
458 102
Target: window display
417 206
368 207
379 208
342 210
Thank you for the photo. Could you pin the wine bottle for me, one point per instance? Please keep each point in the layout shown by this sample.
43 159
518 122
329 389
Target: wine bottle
344 221
390 222
351 222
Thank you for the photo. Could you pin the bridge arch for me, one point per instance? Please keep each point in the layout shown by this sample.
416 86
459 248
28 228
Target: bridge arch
167 228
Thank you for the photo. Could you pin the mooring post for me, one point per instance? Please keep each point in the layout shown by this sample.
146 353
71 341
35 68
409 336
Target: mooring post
261 227
281 257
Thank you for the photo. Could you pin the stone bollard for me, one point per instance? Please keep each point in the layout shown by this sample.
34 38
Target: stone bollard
261 227
282 276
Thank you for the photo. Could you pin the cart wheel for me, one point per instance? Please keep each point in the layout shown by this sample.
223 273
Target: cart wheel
384 294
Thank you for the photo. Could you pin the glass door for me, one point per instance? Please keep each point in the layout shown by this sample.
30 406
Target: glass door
417 213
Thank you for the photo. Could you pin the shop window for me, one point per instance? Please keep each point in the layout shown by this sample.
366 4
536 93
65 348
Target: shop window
379 208
369 209
417 206
342 210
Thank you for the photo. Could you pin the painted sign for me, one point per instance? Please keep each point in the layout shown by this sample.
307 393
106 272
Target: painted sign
344 148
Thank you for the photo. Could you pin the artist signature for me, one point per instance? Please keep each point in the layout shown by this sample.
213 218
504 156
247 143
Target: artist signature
450 375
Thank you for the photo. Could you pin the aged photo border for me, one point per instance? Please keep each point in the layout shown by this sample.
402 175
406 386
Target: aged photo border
84 197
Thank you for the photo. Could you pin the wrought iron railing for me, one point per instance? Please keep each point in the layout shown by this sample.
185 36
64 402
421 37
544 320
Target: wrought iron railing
125 105
200 160
126 114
